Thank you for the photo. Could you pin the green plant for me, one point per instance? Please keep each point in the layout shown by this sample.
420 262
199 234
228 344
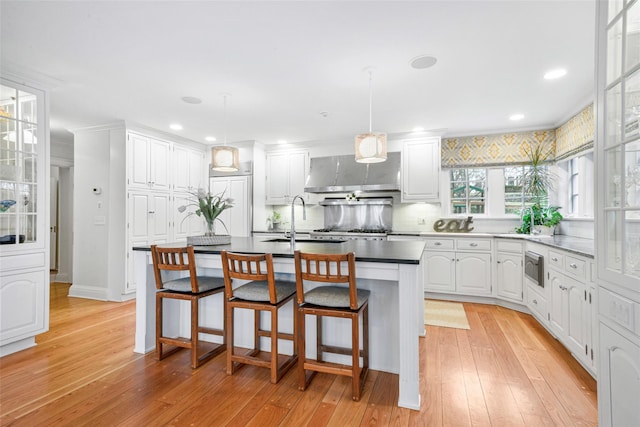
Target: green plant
275 217
209 207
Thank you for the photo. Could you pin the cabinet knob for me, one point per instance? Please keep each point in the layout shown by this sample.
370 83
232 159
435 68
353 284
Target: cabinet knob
473 245
535 301
572 265
554 259
437 244
498 262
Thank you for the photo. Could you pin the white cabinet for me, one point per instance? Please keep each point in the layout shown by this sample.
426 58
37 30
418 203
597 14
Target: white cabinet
461 266
149 217
421 170
571 306
238 218
509 269
286 176
23 299
148 162
188 169
619 381
185 223
24 225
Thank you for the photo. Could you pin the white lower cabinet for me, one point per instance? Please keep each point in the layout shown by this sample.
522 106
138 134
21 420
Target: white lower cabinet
509 270
571 310
465 272
619 379
23 305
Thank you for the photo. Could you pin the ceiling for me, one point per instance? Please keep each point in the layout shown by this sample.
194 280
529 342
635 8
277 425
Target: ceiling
285 63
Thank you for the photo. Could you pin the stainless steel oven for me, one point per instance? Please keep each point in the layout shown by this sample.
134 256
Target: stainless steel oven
534 268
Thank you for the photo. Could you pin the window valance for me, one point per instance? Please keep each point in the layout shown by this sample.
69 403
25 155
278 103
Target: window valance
576 135
494 150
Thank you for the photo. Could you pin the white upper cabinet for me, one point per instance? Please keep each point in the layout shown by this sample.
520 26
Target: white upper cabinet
188 169
286 176
237 219
421 170
148 163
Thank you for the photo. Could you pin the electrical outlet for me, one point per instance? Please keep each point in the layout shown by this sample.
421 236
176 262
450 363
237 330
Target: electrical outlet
422 221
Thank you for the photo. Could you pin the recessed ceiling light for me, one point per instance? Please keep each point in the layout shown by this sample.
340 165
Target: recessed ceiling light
210 138
175 126
516 117
282 141
418 129
423 61
191 100
555 74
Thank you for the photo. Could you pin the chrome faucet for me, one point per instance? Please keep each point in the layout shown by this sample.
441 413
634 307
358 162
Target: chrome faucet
293 219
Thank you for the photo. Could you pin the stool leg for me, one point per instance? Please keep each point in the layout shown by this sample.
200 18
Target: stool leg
158 326
319 338
229 315
302 353
274 345
194 332
355 356
256 329
365 338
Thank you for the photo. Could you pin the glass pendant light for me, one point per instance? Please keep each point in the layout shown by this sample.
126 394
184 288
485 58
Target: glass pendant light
371 147
225 158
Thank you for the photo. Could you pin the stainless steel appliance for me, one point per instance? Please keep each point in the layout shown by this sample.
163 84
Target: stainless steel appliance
534 268
362 219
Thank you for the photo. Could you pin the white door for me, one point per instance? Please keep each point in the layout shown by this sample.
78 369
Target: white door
159 175
578 323
558 310
297 174
439 272
473 273
509 280
53 225
277 178
238 218
138 161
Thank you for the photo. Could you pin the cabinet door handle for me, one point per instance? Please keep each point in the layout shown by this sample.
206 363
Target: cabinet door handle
152 212
535 301
498 262
554 259
437 244
473 245
572 265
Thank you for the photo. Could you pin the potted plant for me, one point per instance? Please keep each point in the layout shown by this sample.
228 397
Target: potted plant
538 180
209 207
275 220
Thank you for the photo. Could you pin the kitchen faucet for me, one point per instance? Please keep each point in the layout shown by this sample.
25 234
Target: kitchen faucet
293 219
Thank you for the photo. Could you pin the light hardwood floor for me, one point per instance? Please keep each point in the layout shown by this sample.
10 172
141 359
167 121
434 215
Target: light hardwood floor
505 371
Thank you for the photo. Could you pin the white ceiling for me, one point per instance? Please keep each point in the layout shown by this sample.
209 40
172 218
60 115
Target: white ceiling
285 62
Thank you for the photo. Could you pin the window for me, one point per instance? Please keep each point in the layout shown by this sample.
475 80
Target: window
515 196
468 188
574 187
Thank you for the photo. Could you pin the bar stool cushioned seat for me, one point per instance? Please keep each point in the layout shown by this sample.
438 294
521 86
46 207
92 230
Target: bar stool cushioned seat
262 293
192 288
346 302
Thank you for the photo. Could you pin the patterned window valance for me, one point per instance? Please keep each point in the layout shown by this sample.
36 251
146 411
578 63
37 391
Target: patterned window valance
495 150
576 135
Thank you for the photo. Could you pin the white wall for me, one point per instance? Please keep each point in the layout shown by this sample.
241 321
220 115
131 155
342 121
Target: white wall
65 226
99 219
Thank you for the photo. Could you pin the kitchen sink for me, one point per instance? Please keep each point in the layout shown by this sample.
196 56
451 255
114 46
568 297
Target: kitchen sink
281 239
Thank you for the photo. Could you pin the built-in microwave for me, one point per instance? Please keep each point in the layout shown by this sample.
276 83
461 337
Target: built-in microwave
534 268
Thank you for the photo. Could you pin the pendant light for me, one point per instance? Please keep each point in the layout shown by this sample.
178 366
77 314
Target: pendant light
225 158
371 147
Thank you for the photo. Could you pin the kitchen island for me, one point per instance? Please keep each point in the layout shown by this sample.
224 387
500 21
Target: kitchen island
392 271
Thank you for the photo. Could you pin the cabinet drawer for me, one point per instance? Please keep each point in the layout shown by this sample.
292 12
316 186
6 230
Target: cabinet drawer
509 246
537 303
556 260
575 267
473 244
439 244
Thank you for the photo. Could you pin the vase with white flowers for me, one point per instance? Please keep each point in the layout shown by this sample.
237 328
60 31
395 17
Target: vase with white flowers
209 207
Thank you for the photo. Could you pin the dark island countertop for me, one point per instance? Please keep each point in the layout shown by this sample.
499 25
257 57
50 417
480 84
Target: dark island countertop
405 252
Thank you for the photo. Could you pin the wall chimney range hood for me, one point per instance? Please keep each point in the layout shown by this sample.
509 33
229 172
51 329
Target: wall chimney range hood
342 174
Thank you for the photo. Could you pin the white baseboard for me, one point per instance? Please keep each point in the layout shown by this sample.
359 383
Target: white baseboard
17 346
89 292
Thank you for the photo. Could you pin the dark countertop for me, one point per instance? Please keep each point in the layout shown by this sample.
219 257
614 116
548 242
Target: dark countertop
576 245
365 250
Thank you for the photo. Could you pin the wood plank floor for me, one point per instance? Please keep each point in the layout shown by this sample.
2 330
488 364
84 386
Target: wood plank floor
505 371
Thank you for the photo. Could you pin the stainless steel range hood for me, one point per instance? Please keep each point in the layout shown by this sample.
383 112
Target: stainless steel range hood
342 174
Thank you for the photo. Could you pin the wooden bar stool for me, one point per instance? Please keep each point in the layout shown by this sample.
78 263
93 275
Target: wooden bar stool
191 288
262 293
332 301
